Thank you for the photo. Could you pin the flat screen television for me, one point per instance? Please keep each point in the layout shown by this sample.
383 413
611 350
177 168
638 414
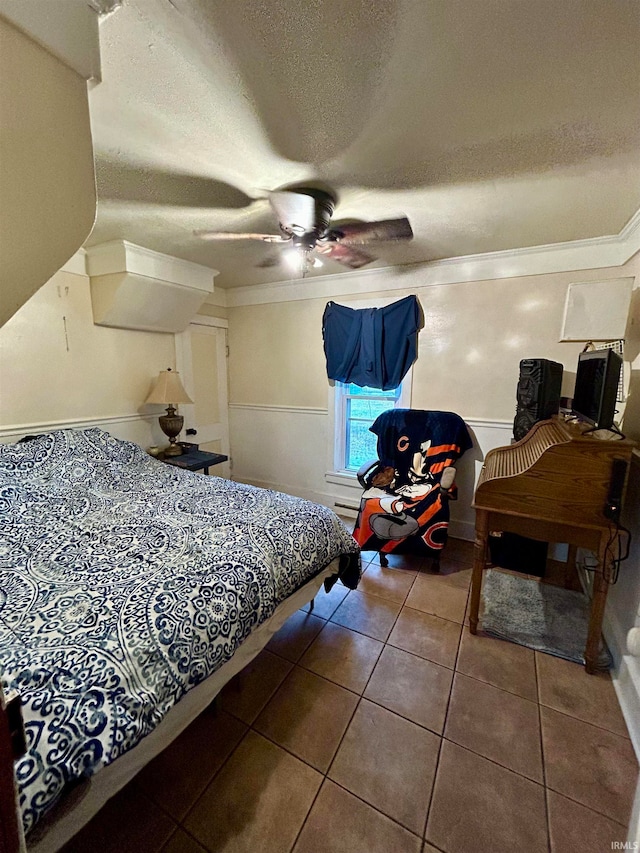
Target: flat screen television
596 389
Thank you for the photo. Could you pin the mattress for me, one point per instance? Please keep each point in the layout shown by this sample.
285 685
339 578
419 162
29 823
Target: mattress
124 584
80 804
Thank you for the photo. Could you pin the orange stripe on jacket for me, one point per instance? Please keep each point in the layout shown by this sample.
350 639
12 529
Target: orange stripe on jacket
429 512
443 448
440 466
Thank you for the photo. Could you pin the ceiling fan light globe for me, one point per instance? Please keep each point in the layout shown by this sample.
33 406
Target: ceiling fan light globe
294 258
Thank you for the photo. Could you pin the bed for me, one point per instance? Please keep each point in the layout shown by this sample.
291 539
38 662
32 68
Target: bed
130 592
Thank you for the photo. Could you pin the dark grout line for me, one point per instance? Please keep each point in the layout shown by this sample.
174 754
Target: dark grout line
494 761
444 618
337 750
431 844
497 763
325 775
207 786
442 738
173 834
340 742
495 687
547 811
586 723
379 811
416 655
191 836
402 606
588 808
306 817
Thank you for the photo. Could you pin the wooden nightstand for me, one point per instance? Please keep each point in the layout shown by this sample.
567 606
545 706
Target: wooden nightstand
195 460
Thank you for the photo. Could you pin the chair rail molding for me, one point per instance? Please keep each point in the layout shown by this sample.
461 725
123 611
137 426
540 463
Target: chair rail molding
270 407
317 482
14 432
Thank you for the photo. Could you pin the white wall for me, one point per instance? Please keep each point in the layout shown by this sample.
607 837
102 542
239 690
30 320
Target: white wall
623 611
58 369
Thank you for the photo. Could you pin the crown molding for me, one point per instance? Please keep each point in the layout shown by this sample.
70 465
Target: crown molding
213 322
631 233
120 256
137 288
592 253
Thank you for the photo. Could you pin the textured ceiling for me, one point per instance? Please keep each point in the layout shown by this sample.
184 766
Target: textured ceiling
491 124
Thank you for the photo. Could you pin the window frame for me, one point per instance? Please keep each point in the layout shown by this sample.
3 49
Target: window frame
339 421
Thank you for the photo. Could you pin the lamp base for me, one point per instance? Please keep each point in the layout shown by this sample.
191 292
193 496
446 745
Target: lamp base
172 450
171 425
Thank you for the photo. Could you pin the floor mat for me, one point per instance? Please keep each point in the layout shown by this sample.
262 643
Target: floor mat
538 615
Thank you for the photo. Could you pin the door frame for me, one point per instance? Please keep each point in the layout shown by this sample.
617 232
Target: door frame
184 365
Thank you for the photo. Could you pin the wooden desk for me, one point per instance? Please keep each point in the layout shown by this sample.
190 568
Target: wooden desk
551 485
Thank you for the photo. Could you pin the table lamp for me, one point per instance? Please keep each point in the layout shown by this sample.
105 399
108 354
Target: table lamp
169 391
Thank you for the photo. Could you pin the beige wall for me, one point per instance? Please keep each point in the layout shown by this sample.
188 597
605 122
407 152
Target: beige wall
47 185
56 365
474 336
276 355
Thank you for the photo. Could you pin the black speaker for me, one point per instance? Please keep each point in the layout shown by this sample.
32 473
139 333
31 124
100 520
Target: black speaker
538 393
616 487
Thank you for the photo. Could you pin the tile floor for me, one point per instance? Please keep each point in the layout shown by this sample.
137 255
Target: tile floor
378 724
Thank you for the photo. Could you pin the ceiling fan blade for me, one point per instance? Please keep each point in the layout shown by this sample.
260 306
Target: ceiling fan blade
296 211
344 254
360 233
119 180
232 235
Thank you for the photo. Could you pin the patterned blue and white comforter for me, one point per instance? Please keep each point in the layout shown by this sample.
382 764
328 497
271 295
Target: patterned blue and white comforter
124 582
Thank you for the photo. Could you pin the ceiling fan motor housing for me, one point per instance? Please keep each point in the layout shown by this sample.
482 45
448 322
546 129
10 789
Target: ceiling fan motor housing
324 206
306 242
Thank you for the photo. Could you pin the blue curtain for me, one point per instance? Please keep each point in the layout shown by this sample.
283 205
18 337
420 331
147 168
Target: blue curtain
371 347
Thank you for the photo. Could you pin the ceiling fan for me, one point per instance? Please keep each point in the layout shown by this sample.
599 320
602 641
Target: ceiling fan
304 216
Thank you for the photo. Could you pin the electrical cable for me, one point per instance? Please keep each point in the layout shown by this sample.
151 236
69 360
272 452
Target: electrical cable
611 568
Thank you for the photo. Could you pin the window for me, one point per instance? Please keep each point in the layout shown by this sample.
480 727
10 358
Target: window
356 409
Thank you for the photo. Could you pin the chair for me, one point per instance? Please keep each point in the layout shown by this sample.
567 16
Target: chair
405 505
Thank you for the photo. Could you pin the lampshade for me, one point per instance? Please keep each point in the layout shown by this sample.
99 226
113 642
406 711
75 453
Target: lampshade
168 389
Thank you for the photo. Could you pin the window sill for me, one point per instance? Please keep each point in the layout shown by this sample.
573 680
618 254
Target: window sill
343 478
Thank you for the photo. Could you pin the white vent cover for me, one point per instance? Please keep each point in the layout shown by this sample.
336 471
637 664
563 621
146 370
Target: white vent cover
136 288
597 310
